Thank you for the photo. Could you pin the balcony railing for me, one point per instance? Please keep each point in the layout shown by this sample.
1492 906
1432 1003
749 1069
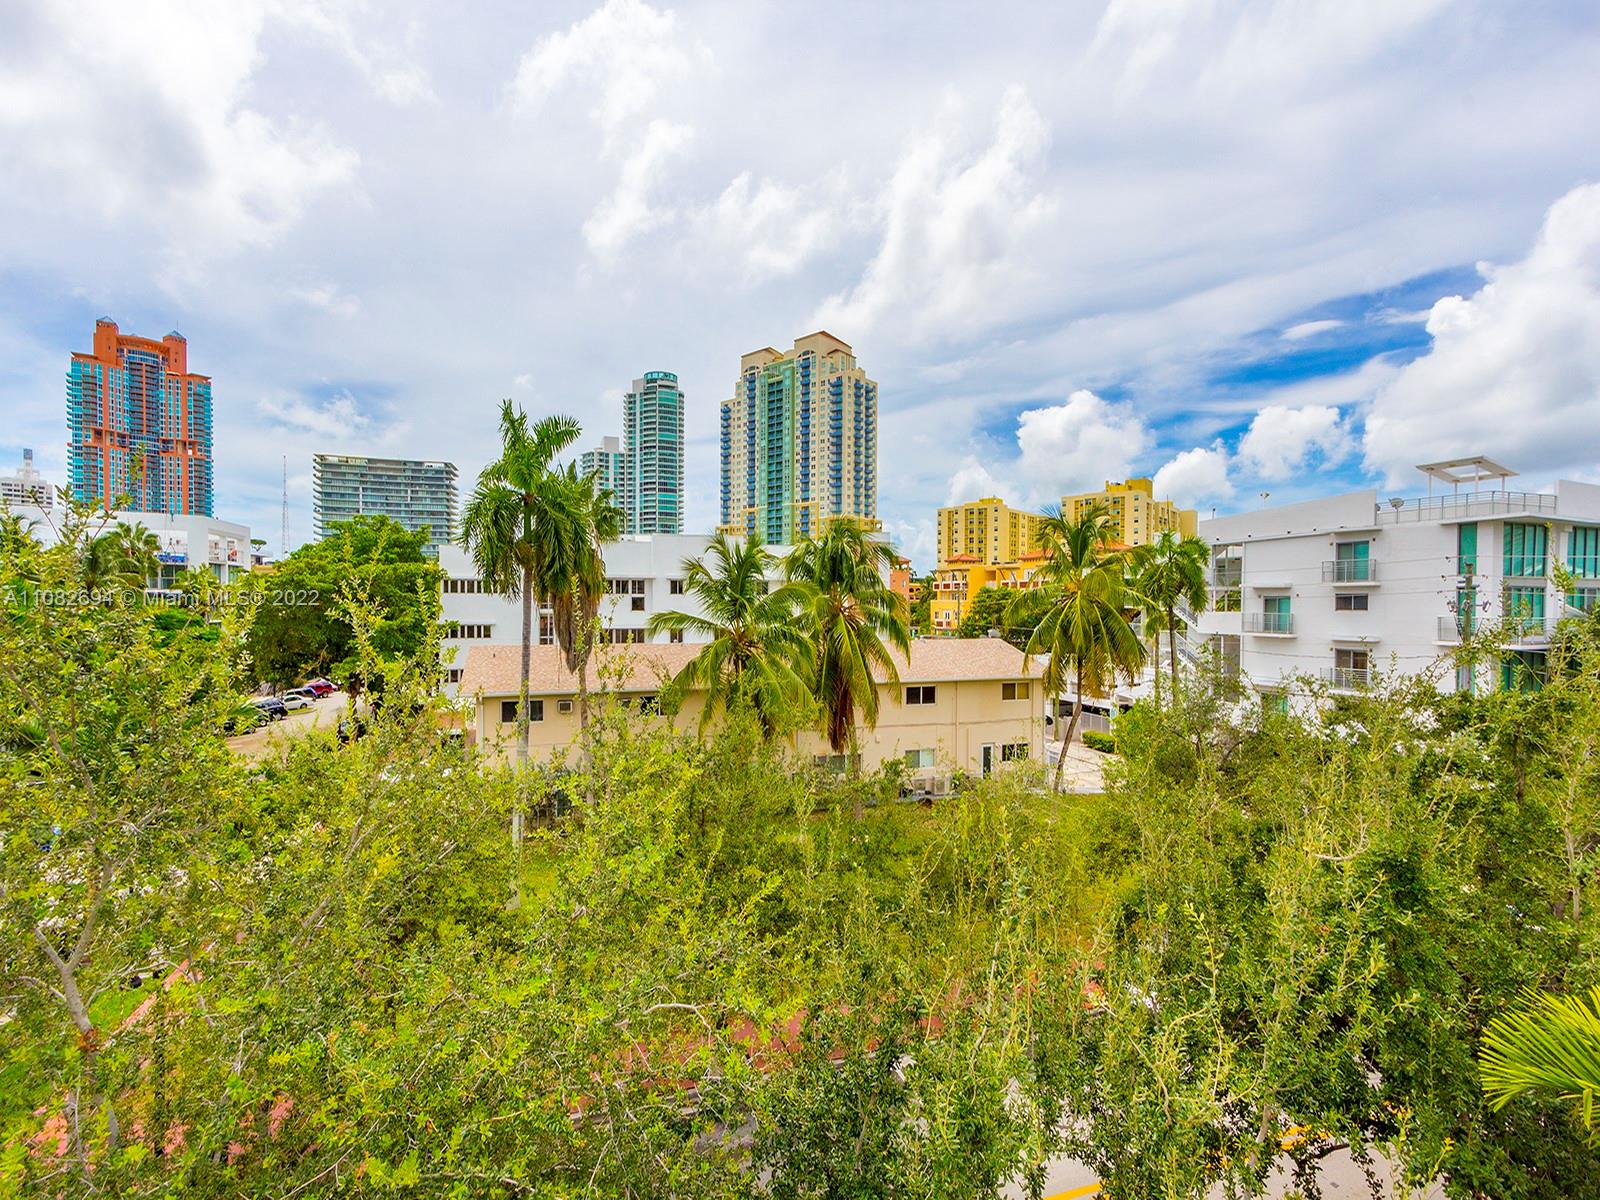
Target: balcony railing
1480 504
1269 623
1350 570
1527 631
1348 678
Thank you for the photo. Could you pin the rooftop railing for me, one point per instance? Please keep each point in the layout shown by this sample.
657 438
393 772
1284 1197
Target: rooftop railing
1479 504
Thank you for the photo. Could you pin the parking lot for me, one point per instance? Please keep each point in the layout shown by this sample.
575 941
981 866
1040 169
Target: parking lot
265 739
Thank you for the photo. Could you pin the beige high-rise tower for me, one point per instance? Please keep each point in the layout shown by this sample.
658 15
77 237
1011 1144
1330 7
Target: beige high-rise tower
799 441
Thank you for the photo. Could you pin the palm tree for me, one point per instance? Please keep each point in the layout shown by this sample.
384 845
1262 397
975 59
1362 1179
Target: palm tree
17 532
752 639
123 558
1079 607
1169 572
583 516
1551 1047
513 529
853 620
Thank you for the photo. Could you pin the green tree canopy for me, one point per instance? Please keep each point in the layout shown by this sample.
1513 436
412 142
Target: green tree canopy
989 611
300 629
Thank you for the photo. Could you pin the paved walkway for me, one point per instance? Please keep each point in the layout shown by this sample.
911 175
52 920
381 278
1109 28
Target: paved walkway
1084 771
1340 1177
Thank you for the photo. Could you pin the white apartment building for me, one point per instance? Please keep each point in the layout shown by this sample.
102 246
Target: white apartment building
1337 589
644 575
26 486
184 541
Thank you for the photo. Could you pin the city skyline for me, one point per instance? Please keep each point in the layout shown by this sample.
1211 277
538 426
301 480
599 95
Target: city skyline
1234 251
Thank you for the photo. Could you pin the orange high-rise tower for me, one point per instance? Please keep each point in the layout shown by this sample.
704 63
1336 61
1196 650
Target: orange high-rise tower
140 424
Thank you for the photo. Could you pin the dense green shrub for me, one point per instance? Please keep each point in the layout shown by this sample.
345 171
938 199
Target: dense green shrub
1095 740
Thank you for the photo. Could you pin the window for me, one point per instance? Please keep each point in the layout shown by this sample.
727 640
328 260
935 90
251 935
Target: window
638 603
837 763
1524 610
508 711
675 637
1523 671
457 630
1014 752
919 760
1275 704
1015 691
453 675
1583 551
1352 562
675 586
1467 548
649 704
1350 602
1525 550
1275 614
564 707
623 637
921 694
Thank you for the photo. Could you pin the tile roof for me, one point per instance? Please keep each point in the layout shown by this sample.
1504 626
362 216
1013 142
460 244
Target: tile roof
492 670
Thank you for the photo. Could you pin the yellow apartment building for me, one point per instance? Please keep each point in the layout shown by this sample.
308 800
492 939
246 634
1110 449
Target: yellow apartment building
981 542
961 704
988 529
1136 515
956 584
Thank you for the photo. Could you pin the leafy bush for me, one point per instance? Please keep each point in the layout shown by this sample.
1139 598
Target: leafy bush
1103 742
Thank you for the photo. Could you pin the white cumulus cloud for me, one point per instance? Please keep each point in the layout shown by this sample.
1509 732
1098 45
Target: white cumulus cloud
1282 440
1305 329
1077 445
973 481
956 227
626 49
162 91
1513 371
1194 476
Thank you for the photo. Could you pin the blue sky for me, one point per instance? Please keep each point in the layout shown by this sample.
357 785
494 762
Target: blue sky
1280 245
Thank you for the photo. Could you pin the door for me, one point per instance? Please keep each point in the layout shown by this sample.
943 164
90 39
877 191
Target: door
1353 562
1275 610
986 759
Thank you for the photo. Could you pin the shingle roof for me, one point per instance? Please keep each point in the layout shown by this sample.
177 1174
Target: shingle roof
493 670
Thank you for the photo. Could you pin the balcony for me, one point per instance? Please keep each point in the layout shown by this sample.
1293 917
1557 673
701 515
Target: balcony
1347 679
1451 629
1269 624
1350 570
1524 632
1230 576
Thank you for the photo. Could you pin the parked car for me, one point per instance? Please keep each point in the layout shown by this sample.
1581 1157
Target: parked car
303 692
294 701
321 686
271 708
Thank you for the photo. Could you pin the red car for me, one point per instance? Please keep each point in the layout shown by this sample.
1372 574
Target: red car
321 687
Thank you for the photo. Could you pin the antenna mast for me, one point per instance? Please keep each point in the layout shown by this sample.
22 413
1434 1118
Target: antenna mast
283 546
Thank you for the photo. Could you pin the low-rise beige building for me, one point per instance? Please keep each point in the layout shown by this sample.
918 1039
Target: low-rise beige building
968 704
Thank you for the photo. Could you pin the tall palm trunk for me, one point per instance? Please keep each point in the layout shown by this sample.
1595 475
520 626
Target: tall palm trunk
1072 725
1172 648
517 813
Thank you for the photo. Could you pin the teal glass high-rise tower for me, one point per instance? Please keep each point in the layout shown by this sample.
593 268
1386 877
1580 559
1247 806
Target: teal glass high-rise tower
652 440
